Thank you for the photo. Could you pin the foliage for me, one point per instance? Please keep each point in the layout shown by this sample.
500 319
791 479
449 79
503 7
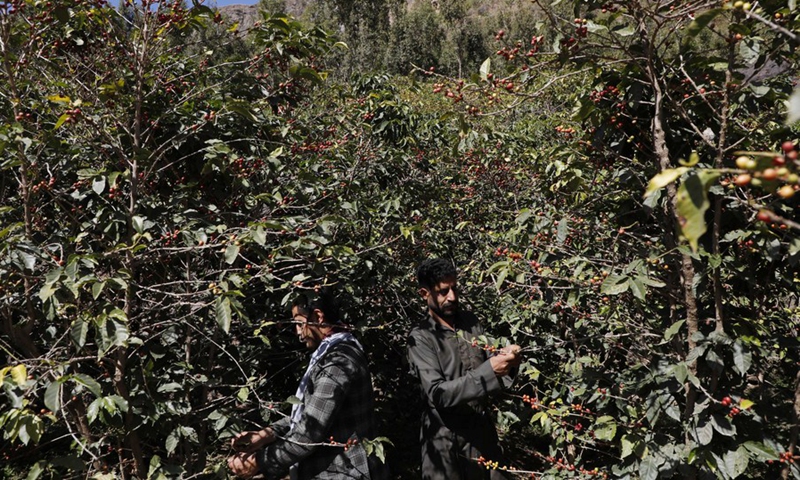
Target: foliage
168 184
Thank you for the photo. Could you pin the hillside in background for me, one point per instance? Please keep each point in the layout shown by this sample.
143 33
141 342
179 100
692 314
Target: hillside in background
455 37
245 15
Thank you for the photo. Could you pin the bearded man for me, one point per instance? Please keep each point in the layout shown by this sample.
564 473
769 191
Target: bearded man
456 377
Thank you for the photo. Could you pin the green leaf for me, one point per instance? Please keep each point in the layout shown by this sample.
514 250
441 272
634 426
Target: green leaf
231 253
760 451
46 291
242 394
694 159
501 277
638 289
595 27
742 358
759 90
88 382
78 331
703 432
155 465
750 51
138 224
19 374
301 71
52 396
61 120
259 235
97 289
696 353
625 31
24 259
693 202
681 372
700 22
614 285
648 469
673 330
523 216
651 282
120 402
243 109
605 428
793 113
627 446
222 309
563 231
736 461
169 387
36 470
663 179
172 441
293 400
485 68
93 410
30 429
723 425
375 447
99 184
59 99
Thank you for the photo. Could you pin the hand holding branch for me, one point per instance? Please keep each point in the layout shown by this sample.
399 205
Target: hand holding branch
506 359
251 441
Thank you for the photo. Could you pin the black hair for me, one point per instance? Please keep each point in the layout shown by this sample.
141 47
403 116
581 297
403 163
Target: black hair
322 299
433 270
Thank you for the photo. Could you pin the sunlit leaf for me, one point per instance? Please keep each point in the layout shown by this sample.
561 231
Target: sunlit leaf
614 285
793 113
742 358
52 396
605 428
486 67
692 199
663 179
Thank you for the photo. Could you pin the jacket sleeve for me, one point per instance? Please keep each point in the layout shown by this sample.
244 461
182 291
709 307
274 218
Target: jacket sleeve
441 392
506 380
328 387
281 426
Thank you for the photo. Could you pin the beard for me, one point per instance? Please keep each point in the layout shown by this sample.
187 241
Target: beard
446 310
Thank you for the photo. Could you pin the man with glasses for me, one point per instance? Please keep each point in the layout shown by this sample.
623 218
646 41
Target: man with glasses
320 439
456 377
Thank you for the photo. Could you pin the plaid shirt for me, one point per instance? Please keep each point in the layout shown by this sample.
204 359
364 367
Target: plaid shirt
337 404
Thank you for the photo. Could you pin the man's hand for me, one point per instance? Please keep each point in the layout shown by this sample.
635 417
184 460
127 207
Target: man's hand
243 465
251 441
506 359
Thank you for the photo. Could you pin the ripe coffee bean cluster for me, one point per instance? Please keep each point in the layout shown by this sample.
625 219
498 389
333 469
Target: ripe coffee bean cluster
351 442
532 401
734 409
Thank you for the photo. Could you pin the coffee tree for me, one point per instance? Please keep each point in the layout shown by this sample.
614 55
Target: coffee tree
131 221
668 336
169 182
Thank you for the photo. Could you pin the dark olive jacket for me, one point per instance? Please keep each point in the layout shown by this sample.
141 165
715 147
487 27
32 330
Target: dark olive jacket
456 378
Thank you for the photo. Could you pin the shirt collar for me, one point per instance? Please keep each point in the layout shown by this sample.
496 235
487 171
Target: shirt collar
438 326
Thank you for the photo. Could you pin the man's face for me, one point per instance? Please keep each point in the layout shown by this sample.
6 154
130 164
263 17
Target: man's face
308 331
443 298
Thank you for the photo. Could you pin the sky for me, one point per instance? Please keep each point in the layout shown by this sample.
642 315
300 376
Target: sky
222 3
212 3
